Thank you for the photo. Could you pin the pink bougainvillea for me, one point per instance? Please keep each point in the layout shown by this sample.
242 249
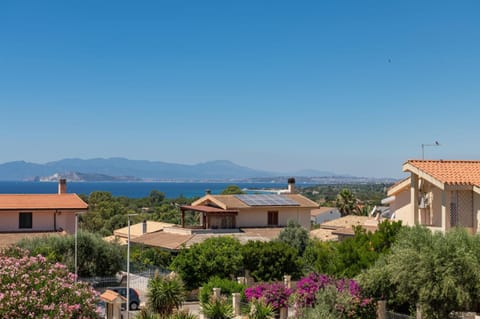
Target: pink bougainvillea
31 287
349 301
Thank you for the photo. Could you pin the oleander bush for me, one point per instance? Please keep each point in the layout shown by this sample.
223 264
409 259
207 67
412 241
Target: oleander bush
32 287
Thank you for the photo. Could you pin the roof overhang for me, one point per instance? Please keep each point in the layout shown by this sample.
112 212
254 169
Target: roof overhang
209 198
64 210
208 209
408 167
388 200
476 189
396 188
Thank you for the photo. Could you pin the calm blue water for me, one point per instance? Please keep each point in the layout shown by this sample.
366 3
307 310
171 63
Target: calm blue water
129 189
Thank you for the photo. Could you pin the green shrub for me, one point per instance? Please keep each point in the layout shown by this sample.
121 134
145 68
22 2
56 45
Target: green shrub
91 249
270 261
218 256
227 287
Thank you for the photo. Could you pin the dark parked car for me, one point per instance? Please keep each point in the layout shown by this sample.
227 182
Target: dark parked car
134 297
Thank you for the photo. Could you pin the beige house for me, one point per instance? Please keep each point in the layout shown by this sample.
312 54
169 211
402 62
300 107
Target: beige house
244 217
30 213
251 210
146 227
438 194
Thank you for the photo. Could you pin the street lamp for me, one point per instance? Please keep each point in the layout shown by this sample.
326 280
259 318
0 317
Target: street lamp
128 266
76 245
423 148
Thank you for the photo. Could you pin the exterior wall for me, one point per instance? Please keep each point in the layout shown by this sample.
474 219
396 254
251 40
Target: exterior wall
258 217
403 208
41 221
476 211
67 222
436 206
462 209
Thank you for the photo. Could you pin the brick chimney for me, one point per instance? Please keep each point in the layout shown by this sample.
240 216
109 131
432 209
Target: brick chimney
291 185
62 186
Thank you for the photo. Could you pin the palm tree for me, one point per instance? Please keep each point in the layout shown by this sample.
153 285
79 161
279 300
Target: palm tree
346 202
165 293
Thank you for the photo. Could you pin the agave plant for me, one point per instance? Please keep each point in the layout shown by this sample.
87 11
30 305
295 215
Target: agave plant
259 309
217 308
147 314
182 314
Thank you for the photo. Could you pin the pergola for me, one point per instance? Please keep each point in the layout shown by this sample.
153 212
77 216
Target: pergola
207 212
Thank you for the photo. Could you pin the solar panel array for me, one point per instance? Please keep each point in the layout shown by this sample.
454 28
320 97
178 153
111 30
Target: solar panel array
266 200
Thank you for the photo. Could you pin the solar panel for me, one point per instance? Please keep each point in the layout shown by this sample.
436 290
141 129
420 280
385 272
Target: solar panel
266 200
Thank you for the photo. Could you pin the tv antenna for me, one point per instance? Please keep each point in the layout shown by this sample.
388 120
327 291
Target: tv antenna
423 148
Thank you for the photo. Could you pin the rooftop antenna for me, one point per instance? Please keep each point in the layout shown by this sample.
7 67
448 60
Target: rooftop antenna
423 148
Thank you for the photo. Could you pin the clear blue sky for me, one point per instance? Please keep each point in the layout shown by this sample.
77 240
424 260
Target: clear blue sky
345 86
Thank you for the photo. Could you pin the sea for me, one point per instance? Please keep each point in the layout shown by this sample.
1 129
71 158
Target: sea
135 189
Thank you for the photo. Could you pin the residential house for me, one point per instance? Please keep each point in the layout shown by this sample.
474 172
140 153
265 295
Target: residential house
440 194
244 216
343 227
33 213
137 230
251 210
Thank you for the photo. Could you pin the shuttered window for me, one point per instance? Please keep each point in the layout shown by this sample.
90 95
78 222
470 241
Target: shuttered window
25 220
273 218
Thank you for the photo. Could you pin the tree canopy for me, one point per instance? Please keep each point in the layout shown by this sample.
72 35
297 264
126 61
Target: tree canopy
95 256
295 235
438 271
216 256
232 190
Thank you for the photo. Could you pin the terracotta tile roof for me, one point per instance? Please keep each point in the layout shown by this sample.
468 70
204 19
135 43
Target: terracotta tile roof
112 296
174 241
137 229
343 226
398 186
323 234
346 222
350 232
41 201
163 239
450 172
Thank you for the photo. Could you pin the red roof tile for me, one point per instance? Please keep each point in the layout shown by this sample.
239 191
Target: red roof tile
450 172
41 201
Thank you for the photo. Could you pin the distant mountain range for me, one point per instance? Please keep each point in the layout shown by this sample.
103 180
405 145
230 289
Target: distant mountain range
124 169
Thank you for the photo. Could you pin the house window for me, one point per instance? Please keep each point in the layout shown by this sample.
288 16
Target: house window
273 218
25 220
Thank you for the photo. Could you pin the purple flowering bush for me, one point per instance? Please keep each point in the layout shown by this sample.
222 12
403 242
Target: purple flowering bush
339 298
276 295
32 287
307 289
